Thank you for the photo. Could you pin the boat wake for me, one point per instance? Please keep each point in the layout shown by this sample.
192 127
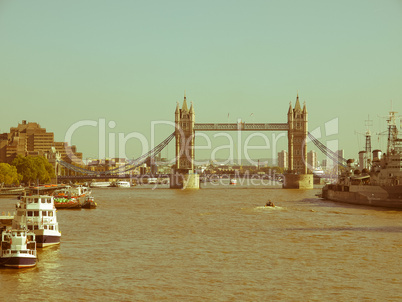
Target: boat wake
275 208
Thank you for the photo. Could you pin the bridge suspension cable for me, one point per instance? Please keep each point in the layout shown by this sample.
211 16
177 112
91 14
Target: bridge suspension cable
328 152
131 165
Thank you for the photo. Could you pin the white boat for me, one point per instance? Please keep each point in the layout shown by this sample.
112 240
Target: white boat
152 180
18 249
37 213
233 181
318 172
100 184
80 191
123 184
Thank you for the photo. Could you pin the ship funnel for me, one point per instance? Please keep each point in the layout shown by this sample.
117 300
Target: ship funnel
350 162
362 160
377 154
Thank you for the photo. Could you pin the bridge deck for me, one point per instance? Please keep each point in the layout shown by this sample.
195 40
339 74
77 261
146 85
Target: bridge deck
241 127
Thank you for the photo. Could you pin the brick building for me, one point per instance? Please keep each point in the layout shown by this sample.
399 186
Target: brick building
30 139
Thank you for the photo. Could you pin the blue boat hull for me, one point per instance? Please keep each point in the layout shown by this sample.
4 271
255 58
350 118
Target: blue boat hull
46 240
18 262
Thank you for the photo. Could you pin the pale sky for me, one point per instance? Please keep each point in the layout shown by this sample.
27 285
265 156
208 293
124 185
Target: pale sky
129 62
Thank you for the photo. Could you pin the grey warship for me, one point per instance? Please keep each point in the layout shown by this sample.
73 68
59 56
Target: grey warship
378 185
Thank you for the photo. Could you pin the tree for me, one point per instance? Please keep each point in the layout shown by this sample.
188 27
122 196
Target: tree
25 168
9 174
44 168
34 169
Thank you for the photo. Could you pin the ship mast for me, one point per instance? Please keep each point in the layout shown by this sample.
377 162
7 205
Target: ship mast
368 141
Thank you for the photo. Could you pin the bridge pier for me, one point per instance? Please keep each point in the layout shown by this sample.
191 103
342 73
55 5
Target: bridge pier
298 181
184 181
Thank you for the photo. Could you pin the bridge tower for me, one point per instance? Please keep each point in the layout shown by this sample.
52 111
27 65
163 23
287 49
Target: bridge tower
297 135
297 176
183 175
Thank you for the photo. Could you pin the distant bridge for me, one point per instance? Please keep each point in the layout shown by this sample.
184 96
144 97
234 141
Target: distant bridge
185 128
165 176
112 176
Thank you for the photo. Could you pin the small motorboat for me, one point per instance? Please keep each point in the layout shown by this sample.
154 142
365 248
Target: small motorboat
89 203
18 249
233 181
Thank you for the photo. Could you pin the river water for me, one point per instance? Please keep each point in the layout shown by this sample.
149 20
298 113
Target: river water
215 244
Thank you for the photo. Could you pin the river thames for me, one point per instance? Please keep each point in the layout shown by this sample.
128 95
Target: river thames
215 244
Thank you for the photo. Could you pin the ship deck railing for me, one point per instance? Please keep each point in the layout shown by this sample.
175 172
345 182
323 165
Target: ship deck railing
10 252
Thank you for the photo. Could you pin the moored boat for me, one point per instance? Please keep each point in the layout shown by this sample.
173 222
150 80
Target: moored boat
18 249
89 203
233 181
67 203
11 192
37 213
100 184
152 181
379 183
123 184
78 192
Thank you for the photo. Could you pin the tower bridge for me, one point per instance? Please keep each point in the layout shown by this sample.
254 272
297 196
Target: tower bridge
296 127
184 175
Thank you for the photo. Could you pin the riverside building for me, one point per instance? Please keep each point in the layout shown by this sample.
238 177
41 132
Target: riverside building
29 139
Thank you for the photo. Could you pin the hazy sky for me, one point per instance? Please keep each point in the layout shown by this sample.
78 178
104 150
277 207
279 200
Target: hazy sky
130 61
